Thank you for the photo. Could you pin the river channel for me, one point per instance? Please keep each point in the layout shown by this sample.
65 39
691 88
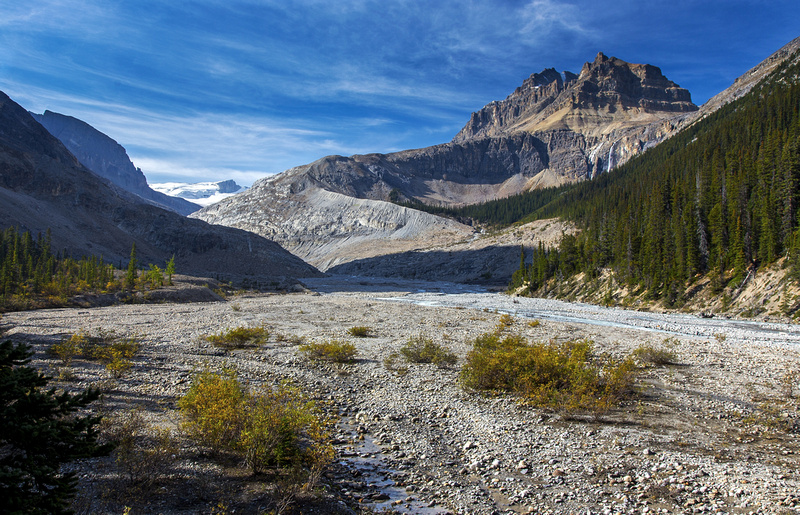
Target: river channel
444 294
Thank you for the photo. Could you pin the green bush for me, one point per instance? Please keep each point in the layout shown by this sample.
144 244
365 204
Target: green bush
117 356
284 428
560 375
240 337
420 349
278 428
360 331
213 408
648 354
67 349
505 321
336 351
114 351
39 432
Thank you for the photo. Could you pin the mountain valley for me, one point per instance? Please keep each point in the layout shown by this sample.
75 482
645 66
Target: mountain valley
653 251
567 131
44 187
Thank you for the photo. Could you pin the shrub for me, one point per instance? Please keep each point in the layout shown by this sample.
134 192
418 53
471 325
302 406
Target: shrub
648 354
334 350
283 428
118 354
420 349
240 337
360 331
68 348
505 321
114 351
213 408
558 375
143 453
278 428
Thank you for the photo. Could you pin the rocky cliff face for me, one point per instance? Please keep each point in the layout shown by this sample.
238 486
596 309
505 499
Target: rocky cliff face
609 94
43 186
107 158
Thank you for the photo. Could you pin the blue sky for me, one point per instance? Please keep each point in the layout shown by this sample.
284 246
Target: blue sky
239 89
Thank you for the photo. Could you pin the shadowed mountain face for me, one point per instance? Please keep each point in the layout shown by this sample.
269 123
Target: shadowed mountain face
43 186
107 158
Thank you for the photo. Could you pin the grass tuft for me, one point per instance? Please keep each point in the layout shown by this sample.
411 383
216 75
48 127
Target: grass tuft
360 331
420 349
335 351
240 337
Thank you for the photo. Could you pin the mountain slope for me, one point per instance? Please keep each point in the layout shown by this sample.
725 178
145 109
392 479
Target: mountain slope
43 186
326 228
700 216
107 158
610 104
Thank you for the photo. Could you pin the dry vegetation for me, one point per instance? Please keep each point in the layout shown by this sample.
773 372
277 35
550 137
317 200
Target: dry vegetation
250 428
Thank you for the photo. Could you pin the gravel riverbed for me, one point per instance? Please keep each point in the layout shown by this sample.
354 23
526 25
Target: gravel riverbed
715 432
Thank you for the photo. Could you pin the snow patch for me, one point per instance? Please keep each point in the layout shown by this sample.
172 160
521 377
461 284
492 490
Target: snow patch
201 193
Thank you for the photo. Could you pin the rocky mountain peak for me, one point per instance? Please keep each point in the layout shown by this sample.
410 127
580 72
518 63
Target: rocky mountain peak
609 81
608 94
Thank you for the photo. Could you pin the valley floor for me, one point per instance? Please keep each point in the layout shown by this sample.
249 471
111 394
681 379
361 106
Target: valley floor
715 432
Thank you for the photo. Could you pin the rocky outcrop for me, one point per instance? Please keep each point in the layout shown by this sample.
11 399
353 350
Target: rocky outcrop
107 158
43 186
609 94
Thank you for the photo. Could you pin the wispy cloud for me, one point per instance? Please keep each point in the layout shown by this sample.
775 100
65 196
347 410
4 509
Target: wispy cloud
257 86
541 18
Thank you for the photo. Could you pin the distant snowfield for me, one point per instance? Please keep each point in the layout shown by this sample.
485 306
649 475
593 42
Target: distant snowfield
201 193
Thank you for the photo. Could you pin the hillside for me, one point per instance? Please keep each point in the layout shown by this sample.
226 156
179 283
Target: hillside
43 186
107 158
706 212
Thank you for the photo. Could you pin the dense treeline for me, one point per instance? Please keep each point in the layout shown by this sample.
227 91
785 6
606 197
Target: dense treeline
31 275
28 268
719 198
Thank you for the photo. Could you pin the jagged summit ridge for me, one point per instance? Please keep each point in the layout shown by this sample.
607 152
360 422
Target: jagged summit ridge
607 95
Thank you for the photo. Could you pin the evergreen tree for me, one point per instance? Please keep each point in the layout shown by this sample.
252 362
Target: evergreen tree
39 432
133 265
170 269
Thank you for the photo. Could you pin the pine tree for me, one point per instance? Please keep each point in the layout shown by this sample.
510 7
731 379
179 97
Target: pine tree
131 274
170 269
39 432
